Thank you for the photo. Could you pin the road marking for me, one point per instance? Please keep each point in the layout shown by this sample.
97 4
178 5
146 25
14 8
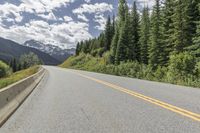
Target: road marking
170 107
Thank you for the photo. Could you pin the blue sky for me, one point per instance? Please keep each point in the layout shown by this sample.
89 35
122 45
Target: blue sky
59 22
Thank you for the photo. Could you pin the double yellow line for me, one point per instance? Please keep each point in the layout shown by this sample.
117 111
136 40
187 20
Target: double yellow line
167 106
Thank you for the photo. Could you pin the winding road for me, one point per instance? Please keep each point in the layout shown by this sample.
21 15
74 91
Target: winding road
71 101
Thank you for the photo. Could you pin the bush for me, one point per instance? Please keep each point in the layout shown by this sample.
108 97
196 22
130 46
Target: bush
4 69
183 62
29 60
180 66
160 74
197 69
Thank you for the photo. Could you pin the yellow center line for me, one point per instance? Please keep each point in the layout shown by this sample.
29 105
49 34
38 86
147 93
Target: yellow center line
170 107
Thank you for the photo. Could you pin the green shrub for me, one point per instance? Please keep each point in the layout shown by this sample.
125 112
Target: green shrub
197 69
4 69
29 60
183 62
180 66
160 73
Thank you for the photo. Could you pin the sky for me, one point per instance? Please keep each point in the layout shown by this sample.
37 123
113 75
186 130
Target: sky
58 22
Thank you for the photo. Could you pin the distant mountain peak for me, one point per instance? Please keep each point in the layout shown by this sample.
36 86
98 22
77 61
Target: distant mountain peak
10 49
53 50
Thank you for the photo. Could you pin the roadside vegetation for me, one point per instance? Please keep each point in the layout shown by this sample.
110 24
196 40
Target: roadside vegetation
18 69
161 46
175 74
18 76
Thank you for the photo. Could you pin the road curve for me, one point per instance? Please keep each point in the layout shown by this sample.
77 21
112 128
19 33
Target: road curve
69 101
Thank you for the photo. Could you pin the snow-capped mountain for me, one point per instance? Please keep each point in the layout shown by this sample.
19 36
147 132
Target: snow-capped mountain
55 51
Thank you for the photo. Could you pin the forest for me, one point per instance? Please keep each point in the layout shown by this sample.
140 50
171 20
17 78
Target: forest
160 44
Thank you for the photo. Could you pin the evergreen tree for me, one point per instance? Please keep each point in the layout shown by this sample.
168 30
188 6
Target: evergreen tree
108 34
134 47
184 24
168 29
19 67
195 48
122 51
77 49
193 17
81 46
11 63
14 65
114 44
113 26
123 8
155 56
144 35
122 11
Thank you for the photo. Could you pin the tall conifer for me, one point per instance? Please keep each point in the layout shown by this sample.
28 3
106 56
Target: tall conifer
144 35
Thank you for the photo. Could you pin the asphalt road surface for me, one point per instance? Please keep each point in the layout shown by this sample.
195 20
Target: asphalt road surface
69 101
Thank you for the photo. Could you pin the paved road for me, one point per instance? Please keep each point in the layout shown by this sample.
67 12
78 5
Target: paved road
69 101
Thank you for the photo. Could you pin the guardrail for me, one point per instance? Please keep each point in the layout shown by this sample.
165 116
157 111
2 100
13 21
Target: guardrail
12 97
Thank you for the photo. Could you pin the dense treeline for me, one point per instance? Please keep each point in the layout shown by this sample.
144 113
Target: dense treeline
166 39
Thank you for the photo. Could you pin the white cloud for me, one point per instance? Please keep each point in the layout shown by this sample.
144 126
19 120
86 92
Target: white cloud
68 19
82 17
88 1
10 11
98 9
65 34
49 16
93 8
41 6
101 20
31 6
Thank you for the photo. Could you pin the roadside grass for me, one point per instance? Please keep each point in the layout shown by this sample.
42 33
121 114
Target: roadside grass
130 69
18 76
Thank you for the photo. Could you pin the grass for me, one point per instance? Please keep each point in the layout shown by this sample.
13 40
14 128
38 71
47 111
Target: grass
18 76
129 69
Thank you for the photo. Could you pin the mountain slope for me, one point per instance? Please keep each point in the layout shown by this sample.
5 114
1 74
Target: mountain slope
55 51
10 49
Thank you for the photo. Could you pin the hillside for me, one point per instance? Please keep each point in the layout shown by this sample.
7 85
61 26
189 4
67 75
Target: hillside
55 51
10 49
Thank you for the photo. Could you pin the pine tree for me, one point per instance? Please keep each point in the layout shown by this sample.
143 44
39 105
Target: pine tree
134 47
113 24
14 65
193 16
124 39
122 11
195 48
179 37
184 24
11 63
114 44
108 34
81 47
121 51
19 67
156 37
77 49
168 29
144 35
123 8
